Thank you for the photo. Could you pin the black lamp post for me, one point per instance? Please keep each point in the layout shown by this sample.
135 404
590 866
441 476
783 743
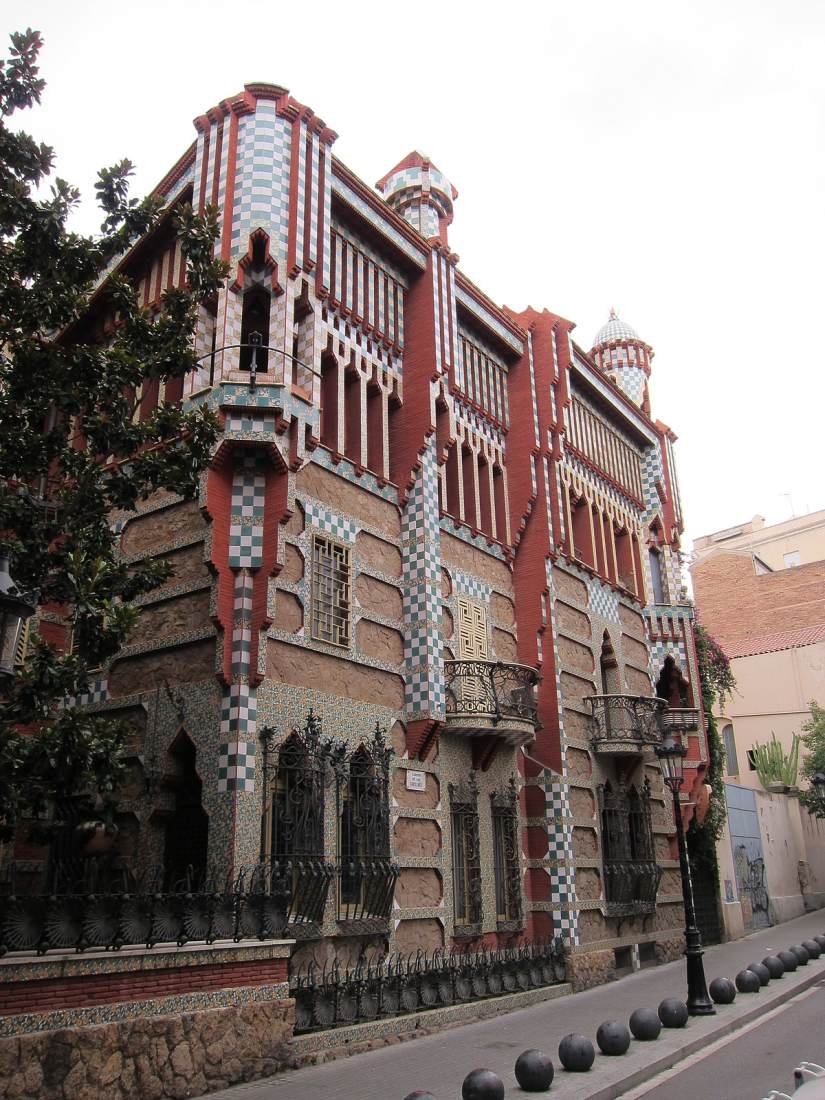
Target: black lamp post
15 608
671 753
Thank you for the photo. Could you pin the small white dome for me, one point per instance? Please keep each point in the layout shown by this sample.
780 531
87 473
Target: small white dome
615 329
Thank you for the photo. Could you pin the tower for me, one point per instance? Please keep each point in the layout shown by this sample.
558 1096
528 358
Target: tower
619 352
421 194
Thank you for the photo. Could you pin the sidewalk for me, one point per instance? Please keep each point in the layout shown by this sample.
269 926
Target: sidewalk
439 1063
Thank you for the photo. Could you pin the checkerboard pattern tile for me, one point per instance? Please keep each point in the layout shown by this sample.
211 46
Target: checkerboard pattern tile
339 527
471 587
236 755
249 422
659 651
246 531
651 473
603 601
630 380
98 693
262 179
423 651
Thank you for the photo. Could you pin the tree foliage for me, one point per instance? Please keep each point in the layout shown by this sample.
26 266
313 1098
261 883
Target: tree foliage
716 683
813 738
73 446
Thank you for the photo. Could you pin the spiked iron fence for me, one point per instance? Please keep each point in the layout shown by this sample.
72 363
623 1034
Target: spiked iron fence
93 910
397 985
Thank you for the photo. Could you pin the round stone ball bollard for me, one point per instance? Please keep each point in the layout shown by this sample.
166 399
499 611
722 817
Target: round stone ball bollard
788 960
482 1084
418 1095
748 982
613 1038
774 965
761 971
821 941
576 1053
645 1024
673 1012
801 954
722 991
534 1071
813 948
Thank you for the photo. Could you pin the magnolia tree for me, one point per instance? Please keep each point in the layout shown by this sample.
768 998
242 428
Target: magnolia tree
813 738
58 386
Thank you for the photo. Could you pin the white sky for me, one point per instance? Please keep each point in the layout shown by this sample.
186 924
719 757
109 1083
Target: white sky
663 158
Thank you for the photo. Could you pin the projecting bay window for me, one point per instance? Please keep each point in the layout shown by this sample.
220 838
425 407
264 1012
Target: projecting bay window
506 858
331 598
631 875
466 857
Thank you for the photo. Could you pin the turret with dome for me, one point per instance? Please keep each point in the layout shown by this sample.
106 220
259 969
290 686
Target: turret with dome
624 357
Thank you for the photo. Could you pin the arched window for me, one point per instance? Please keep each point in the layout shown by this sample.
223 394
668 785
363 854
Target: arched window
657 580
729 741
631 874
672 686
186 837
255 321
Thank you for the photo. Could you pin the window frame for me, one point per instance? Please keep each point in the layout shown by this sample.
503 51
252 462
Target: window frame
324 607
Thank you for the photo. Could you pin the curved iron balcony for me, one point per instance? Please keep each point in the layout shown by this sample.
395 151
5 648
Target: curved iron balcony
484 697
625 724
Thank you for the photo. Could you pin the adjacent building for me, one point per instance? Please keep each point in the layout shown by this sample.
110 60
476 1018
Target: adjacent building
760 592
427 615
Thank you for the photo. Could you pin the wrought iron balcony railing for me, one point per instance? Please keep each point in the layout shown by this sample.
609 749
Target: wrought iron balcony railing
492 693
630 887
679 719
365 892
625 723
96 913
309 881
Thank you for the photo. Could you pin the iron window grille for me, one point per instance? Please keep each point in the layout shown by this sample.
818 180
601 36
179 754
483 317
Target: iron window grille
631 874
507 857
330 618
367 875
466 857
297 775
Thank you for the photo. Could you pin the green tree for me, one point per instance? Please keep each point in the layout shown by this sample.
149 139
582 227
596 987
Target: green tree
717 682
813 738
58 381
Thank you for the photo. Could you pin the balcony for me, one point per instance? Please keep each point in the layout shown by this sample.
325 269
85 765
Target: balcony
625 725
679 720
488 697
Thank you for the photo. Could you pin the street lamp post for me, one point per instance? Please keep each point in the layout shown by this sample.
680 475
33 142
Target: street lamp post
15 608
671 753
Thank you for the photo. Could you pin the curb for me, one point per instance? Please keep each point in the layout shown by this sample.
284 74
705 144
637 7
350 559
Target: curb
672 1058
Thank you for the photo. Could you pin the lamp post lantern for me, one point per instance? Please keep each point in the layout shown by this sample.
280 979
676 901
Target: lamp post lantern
671 753
15 609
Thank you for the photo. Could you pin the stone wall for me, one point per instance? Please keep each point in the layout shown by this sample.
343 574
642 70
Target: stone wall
173 1056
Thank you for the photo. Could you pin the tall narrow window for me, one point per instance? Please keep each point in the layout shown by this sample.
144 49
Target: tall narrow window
631 875
506 858
466 857
255 319
187 828
293 831
367 877
731 763
657 576
331 581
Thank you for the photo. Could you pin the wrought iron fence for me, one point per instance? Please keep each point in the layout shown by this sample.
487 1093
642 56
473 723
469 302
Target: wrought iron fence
633 718
92 908
396 985
491 689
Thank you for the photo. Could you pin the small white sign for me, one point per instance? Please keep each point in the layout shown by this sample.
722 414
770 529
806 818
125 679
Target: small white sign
416 781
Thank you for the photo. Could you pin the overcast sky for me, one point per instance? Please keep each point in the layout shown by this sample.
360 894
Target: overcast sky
663 158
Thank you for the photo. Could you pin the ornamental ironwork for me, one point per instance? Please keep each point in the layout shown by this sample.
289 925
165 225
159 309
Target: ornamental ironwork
507 857
395 985
466 856
297 775
94 906
633 720
631 874
491 690
366 873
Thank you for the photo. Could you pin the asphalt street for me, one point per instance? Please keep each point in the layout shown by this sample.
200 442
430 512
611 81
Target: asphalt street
748 1064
